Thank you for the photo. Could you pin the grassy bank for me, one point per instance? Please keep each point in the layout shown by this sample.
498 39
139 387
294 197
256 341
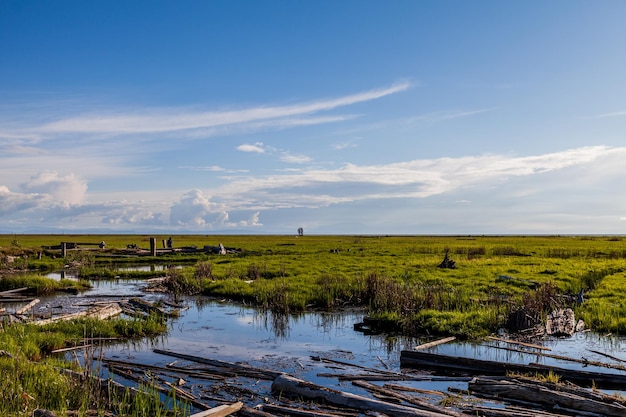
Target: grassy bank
32 377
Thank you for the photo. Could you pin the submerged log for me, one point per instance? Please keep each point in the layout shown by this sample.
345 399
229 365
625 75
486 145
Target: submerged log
290 386
471 366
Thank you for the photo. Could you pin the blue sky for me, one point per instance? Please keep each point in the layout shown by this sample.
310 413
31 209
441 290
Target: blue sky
341 117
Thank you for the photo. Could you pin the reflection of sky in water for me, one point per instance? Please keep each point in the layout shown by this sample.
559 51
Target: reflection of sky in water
241 334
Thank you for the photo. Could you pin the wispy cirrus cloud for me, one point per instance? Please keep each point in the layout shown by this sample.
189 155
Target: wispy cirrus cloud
412 179
170 120
607 115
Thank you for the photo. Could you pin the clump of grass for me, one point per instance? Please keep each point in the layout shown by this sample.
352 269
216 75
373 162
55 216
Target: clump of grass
180 283
39 285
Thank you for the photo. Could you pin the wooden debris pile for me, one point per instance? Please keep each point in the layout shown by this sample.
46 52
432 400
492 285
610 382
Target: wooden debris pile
99 310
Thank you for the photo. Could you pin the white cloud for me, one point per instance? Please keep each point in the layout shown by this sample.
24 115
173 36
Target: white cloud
571 185
169 120
257 147
412 179
294 159
68 188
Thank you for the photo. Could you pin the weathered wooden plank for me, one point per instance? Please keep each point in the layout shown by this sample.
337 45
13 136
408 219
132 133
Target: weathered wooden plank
288 385
220 411
13 291
435 343
28 306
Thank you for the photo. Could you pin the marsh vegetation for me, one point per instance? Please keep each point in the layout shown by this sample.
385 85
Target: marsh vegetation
396 279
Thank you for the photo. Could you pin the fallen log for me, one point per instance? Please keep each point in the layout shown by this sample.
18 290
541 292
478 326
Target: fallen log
471 366
100 313
512 390
290 386
435 343
247 370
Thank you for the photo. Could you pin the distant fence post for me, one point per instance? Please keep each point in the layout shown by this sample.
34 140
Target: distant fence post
63 249
153 246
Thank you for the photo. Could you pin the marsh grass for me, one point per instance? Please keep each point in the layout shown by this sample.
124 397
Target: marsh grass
31 378
295 273
39 285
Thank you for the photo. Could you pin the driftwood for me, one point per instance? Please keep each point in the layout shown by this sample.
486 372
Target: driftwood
470 366
297 412
12 292
220 411
515 342
99 313
561 322
28 306
511 390
290 386
354 365
583 361
508 412
424 405
615 358
248 370
435 343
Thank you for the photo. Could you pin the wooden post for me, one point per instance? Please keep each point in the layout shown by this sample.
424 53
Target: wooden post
63 249
153 246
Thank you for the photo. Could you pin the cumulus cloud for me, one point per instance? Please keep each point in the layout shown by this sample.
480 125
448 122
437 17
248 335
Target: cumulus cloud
257 147
62 188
